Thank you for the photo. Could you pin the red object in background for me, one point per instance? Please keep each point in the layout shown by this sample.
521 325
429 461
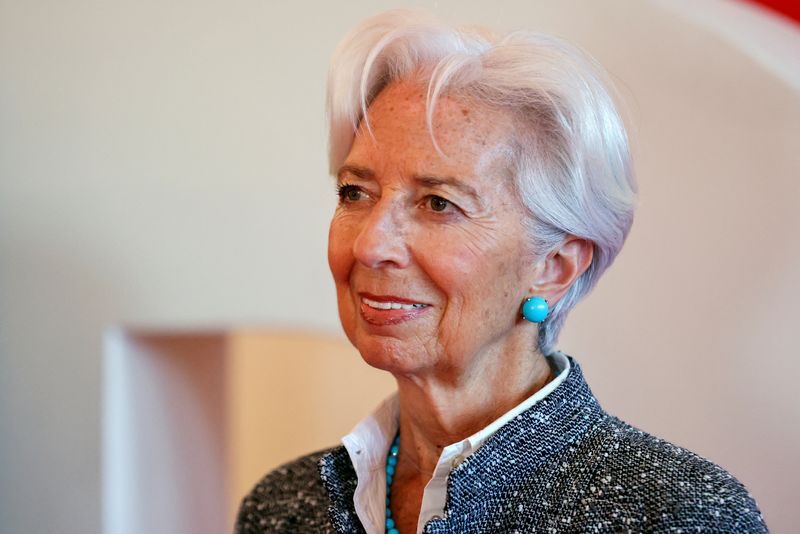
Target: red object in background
787 8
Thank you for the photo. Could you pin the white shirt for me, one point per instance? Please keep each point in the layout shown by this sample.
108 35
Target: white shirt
368 445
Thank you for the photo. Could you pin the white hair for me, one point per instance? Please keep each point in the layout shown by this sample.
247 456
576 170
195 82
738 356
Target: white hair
569 151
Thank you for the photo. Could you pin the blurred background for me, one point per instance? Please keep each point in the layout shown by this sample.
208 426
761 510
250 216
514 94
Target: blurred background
163 173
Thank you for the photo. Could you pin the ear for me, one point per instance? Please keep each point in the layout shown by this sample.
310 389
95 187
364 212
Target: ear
556 273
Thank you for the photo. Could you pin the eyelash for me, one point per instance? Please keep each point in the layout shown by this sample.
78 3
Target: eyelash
343 189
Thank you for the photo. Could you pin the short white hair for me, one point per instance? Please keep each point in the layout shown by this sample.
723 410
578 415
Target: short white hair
569 153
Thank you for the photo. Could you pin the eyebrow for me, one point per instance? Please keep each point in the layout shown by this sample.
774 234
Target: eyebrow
358 172
455 183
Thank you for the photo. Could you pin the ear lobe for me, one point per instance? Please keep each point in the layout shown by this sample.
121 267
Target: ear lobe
558 271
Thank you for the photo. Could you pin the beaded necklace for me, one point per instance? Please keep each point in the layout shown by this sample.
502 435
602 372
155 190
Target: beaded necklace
391 464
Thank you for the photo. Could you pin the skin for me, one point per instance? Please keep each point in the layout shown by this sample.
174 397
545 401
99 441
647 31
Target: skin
443 231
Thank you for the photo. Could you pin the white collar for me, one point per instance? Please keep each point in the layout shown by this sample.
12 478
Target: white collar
369 441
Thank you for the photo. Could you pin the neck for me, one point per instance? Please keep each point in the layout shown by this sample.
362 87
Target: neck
443 408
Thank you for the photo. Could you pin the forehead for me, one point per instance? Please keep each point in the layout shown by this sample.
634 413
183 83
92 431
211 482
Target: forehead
472 139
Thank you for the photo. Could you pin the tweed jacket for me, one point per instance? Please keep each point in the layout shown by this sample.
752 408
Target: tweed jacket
564 465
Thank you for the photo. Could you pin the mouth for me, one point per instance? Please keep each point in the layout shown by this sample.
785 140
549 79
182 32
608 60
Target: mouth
391 305
383 310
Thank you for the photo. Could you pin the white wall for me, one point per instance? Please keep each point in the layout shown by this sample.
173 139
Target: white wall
163 164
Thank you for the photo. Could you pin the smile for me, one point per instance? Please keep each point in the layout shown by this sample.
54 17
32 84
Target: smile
377 305
388 310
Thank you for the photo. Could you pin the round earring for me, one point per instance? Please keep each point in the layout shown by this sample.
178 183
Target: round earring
535 309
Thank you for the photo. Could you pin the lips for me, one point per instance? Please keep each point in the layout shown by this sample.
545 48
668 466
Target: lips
382 310
390 304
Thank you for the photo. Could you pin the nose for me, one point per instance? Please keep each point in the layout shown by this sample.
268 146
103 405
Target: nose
381 241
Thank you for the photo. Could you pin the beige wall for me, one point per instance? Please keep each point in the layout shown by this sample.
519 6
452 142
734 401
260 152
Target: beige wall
154 156
192 419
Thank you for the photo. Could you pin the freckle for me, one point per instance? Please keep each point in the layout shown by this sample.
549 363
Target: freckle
465 111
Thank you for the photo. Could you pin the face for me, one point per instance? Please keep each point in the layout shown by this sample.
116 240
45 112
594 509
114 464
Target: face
428 252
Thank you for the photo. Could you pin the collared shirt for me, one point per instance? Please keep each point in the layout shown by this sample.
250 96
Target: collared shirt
368 444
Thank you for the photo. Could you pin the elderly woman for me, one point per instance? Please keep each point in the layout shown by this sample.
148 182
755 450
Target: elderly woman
484 186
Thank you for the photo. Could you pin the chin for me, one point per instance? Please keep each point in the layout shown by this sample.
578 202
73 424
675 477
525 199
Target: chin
389 354
382 350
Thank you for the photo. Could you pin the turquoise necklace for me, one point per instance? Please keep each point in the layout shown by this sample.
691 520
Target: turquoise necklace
391 465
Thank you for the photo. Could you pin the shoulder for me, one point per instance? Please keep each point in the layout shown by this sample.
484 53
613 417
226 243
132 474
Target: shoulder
290 498
666 487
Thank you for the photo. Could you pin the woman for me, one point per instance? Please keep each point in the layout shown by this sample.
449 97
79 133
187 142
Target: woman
484 185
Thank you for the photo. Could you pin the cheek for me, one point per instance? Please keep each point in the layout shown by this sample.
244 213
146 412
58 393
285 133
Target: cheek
340 257
457 268
475 274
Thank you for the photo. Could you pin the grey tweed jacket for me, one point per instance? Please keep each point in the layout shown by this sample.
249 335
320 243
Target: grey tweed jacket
564 465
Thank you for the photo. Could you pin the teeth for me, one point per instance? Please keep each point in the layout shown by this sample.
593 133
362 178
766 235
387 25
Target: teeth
390 305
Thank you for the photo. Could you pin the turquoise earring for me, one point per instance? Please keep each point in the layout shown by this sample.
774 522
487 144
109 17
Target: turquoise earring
535 309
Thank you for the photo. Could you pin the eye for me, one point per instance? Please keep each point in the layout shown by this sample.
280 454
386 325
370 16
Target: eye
349 193
437 203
